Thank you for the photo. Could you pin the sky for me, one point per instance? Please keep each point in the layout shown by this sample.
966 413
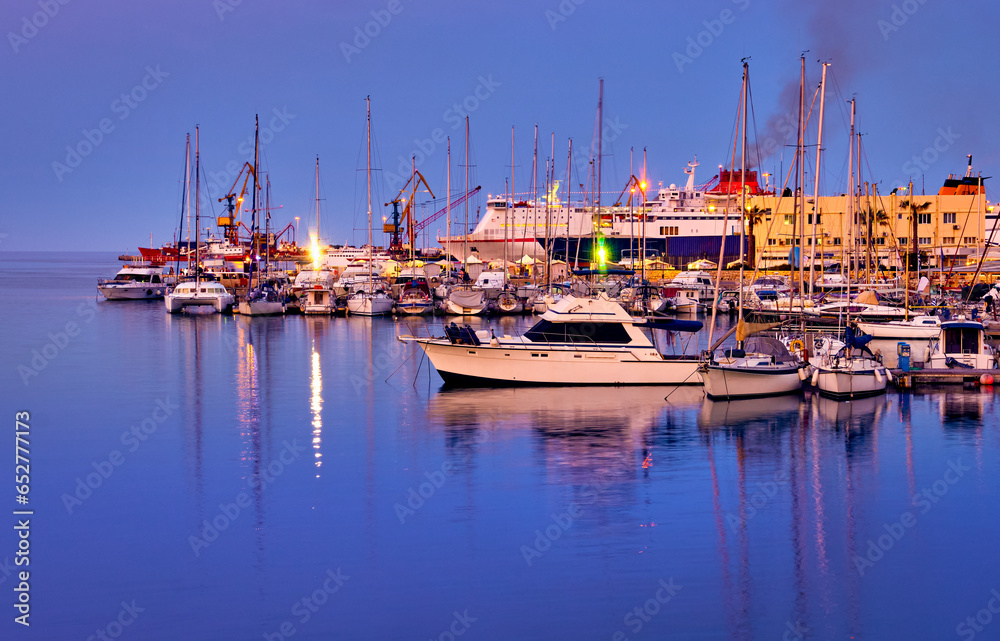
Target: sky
99 96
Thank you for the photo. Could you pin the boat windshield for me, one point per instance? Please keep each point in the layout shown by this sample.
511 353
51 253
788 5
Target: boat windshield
548 332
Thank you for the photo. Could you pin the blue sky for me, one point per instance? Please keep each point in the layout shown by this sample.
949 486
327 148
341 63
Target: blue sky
121 83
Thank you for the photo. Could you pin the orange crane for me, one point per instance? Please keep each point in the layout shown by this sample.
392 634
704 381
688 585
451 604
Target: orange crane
234 204
395 241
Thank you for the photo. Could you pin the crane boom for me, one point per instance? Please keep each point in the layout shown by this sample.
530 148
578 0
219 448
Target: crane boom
419 226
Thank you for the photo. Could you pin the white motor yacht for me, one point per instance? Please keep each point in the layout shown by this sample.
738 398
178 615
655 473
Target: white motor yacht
961 344
577 341
136 282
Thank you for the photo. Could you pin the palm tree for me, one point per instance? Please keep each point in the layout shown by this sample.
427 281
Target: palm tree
913 257
753 215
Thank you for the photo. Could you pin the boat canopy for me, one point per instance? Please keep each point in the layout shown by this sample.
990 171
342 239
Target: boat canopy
768 347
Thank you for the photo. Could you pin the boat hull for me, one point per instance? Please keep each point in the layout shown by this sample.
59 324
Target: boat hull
722 382
221 304
261 308
487 365
368 306
133 293
845 384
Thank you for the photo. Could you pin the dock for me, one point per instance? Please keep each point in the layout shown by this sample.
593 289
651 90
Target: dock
907 379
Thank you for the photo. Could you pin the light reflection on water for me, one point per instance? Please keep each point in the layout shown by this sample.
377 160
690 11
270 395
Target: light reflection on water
760 509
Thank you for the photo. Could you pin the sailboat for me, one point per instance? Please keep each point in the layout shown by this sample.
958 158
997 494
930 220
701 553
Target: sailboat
264 299
463 300
202 291
369 301
757 366
849 369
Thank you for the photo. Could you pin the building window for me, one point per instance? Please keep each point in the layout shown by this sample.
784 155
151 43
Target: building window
969 240
923 240
948 240
881 241
949 219
819 219
771 241
836 241
903 240
923 219
789 219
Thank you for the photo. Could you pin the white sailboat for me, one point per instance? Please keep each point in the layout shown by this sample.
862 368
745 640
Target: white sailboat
369 301
757 366
264 299
200 291
462 300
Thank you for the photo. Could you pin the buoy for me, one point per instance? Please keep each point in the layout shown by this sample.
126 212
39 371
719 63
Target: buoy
986 379
815 377
878 376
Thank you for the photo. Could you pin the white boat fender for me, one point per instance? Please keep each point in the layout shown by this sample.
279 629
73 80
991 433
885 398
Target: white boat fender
878 376
927 355
802 374
493 339
888 375
815 378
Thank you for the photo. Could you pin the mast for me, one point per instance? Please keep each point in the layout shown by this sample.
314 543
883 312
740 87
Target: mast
317 200
513 198
534 197
800 181
447 243
254 222
851 192
597 168
197 209
743 181
569 197
368 151
186 207
819 149
465 236
267 225
642 227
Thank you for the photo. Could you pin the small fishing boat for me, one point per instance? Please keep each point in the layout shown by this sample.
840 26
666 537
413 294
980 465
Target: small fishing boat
578 341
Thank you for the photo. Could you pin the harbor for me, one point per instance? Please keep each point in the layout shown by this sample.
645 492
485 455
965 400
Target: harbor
389 321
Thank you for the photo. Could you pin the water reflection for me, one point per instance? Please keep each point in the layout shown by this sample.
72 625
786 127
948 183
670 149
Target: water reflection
316 406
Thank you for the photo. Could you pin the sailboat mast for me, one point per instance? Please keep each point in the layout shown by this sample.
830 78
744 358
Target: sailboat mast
254 222
447 243
743 178
186 204
534 196
642 227
465 235
368 150
819 151
317 199
851 191
197 209
513 198
800 181
569 197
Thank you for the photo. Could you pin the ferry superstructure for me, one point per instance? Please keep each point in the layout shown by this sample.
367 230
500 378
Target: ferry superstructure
680 223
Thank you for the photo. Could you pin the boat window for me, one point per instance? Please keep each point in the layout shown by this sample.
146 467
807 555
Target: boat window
548 332
961 341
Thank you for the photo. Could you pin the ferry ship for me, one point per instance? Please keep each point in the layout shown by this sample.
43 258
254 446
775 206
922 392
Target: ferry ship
682 224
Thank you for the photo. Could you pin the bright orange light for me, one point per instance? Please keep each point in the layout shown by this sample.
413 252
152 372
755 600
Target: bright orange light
642 185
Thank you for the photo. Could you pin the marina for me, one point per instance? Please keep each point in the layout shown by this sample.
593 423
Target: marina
388 321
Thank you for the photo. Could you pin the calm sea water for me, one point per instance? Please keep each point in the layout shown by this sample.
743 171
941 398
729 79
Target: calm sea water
210 477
